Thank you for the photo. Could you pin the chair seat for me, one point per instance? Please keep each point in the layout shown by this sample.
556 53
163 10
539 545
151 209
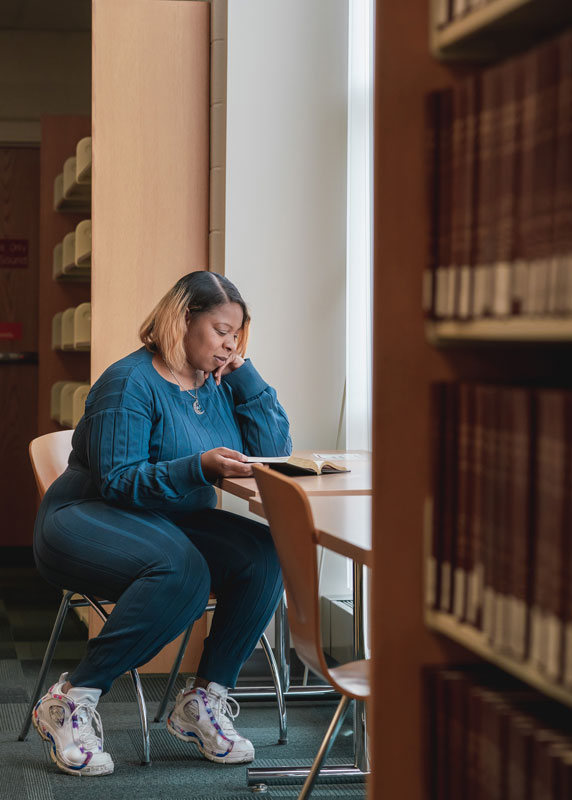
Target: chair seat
352 679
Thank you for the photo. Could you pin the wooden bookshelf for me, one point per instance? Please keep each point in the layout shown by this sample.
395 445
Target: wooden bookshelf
498 28
512 330
475 641
60 135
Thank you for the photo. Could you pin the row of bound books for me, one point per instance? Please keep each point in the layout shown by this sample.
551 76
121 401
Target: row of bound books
492 738
448 11
501 552
500 189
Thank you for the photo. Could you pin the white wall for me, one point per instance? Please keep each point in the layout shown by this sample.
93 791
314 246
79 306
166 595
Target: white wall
41 72
286 199
286 206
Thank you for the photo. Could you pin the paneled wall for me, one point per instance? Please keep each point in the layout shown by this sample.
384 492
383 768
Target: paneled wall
19 190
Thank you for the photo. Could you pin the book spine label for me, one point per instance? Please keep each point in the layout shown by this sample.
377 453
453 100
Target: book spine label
568 656
518 627
553 627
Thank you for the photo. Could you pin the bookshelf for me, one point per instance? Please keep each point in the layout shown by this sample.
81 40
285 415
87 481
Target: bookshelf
474 640
411 354
59 290
495 28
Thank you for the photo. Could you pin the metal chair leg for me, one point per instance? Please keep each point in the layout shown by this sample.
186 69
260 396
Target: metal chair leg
282 720
282 644
46 663
173 676
327 743
145 760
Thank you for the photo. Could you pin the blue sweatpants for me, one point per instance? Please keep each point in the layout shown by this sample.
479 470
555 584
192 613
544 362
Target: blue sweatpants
159 574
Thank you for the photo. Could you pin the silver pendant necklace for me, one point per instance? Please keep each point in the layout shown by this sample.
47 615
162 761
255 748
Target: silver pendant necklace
197 408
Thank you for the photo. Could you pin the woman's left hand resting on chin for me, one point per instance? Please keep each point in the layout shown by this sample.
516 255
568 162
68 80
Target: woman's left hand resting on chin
233 362
222 462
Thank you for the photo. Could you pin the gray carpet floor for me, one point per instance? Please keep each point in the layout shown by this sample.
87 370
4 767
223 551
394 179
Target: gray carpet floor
27 611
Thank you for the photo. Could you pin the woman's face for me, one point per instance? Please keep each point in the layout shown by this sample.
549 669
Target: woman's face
211 336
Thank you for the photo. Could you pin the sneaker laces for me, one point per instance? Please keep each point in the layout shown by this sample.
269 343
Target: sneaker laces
87 736
224 713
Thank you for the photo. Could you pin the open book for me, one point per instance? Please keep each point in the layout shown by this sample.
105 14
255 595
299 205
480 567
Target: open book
297 465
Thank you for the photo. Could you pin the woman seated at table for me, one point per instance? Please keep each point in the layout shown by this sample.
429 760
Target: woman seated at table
133 519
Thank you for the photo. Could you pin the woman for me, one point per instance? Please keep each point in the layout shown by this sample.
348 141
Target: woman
133 519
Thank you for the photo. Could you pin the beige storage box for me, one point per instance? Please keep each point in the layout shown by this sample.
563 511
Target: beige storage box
67 328
57 331
66 402
68 253
83 161
55 400
78 403
83 244
82 327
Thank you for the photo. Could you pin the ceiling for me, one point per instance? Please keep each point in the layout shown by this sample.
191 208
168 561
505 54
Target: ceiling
45 15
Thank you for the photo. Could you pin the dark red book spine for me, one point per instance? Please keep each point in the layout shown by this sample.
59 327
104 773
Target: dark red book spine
470 190
521 518
449 498
444 271
490 507
432 118
508 186
465 454
519 768
488 189
437 432
546 613
562 230
476 575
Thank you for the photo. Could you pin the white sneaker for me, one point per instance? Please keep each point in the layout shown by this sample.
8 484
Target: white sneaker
72 726
204 717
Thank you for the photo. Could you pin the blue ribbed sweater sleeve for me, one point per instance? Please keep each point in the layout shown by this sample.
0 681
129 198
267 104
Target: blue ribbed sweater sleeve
263 422
120 466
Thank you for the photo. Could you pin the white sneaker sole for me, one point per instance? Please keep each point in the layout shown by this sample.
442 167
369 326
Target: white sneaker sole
88 771
194 739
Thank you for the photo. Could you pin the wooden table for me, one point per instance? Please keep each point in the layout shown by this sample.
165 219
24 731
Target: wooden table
343 524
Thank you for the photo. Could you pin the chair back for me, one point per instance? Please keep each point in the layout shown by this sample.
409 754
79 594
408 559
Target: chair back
49 456
292 527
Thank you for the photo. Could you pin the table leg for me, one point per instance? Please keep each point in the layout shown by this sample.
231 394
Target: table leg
361 759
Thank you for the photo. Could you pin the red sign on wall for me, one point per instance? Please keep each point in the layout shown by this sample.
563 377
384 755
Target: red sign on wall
10 331
13 253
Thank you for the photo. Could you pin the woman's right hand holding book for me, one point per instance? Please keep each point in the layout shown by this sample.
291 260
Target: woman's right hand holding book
222 462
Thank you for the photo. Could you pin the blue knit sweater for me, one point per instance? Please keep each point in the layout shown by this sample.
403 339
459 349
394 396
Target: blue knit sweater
139 442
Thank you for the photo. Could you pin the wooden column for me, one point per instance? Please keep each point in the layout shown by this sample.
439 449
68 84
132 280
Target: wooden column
150 171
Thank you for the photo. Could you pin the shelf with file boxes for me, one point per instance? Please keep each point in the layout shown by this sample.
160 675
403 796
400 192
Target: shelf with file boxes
490 29
72 187
72 256
67 402
499 185
71 329
499 528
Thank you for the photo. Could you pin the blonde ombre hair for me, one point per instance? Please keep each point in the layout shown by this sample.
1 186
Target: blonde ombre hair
164 329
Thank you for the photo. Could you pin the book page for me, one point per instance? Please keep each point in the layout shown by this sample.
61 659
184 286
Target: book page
267 459
338 456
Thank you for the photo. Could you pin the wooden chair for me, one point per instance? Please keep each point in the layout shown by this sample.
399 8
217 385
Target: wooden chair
49 456
291 522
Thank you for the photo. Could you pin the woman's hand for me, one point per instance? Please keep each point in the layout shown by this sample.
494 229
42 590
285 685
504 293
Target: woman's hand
233 362
222 462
